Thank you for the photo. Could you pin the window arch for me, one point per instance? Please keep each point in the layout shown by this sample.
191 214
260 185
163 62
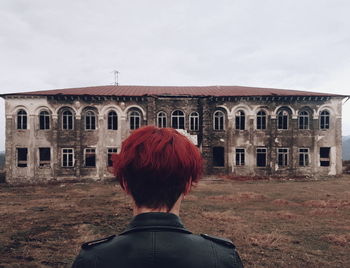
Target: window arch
22 119
240 120
303 120
194 121
134 119
67 120
282 119
44 120
261 120
178 119
219 120
324 119
90 120
112 120
161 119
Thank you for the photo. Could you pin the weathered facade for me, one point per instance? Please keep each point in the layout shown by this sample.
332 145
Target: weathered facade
71 133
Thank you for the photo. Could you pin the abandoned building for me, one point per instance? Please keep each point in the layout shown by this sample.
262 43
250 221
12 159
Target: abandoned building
71 133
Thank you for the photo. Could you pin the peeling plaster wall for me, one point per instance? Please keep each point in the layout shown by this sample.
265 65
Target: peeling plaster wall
230 138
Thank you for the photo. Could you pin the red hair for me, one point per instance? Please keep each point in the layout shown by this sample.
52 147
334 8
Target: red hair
156 165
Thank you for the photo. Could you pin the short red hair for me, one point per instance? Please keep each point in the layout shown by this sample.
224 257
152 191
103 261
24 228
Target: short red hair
156 165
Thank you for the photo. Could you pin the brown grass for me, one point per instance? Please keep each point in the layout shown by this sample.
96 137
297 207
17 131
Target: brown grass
273 223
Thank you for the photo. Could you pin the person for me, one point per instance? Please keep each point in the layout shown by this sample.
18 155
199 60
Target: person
157 167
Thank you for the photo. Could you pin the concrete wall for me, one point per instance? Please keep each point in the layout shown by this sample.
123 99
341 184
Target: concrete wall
230 138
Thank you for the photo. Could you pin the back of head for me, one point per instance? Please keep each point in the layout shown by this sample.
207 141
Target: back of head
156 165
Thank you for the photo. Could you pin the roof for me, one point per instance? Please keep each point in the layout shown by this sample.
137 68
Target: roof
216 91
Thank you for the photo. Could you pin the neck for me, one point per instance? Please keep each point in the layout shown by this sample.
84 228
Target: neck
175 209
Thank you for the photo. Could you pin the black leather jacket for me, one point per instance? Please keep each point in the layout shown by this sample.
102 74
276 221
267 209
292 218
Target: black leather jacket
158 240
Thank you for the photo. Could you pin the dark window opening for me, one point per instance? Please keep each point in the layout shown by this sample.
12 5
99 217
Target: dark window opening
194 121
112 121
218 157
324 120
44 157
240 157
282 157
325 156
261 120
282 120
303 120
90 157
44 120
22 157
67 120
219 120
162 119
90 120
22 119
261 157
134 120
110 153
303 157
67 157
240 120
178 120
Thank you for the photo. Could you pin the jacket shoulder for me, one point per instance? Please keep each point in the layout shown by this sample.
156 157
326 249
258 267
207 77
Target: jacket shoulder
97 242
219 240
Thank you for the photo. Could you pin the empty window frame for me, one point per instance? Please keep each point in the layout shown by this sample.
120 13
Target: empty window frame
304 157
178 119
240 156
194 121
240 120
112 120
67 120
161 119
67 157
218 156
110 153
219 120
261 155
22 119
22 157
134 120
324 119
325 156
303 120
90 157
44 120
90 120
261 120
282 119
282 157
44 157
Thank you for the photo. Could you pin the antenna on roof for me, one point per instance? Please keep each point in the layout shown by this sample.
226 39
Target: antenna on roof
116 77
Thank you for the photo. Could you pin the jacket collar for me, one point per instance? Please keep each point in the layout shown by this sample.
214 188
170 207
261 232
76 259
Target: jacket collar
156 221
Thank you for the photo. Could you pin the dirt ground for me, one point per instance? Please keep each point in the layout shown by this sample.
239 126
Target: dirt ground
286 223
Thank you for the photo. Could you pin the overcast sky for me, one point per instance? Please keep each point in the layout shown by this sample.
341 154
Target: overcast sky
296 44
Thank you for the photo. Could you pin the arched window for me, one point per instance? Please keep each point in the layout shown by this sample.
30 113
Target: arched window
194 121
303 120
161 119
44 120
134 119
219 120
240 120
261 120
21 119
112 121
282 119
90 120
67 120
178 119
324 119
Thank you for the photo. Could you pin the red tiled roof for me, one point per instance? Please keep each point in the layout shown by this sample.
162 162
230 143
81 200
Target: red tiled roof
114 90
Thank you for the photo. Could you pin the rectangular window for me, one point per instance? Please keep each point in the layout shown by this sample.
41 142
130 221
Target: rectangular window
22 157
240 157
90 157
67 157
303 157
282 157
110 152
325 156
218 157
261 154
44 157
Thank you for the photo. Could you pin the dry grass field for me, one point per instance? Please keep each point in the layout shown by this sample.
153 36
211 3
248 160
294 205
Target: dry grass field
273 223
